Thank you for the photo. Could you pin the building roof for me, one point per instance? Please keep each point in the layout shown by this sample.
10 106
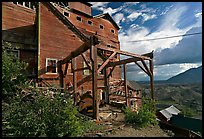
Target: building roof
108 17
169 112
134 85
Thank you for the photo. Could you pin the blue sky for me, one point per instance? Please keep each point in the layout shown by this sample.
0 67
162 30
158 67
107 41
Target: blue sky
149 20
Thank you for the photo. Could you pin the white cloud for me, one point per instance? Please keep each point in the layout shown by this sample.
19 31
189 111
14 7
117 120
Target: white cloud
147 17
119 17
99 4
134 15
198 14
110 10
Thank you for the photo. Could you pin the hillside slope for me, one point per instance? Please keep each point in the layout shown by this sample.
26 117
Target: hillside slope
193 75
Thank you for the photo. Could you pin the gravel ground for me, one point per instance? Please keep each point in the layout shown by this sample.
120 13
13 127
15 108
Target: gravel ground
130 131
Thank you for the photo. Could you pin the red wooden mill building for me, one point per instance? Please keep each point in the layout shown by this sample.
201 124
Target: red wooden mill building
66 46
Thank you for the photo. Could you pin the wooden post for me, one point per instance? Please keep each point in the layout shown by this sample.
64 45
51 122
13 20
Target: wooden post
61 76
152 83
106 84
151 79
93 53
125 83
73 66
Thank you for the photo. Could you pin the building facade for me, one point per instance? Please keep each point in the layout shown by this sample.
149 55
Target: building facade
42 38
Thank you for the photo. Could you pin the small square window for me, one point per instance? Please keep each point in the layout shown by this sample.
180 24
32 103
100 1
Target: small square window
13 53
66 14
27 4
90 22
20 3
79 18
51 65
112 31
101 27
109 46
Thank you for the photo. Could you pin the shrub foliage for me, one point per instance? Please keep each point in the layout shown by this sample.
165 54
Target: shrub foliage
145 115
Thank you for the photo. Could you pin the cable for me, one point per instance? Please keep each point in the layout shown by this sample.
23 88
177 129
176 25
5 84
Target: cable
167 37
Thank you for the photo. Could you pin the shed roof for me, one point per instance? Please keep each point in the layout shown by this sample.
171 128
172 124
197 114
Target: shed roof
169 112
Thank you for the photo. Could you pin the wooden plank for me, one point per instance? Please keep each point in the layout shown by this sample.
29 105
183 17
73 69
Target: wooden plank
142 68
110 73
125 61
80 69
105 62
66 68
74 74
87 63
85 46
123 52
106 84
125 83
151 79
93 56
61 76
147 69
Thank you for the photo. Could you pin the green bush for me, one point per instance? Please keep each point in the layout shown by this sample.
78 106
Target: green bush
145 115
13 75
39 115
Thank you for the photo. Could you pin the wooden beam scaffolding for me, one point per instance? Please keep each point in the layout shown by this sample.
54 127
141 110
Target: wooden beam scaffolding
125 83
93 55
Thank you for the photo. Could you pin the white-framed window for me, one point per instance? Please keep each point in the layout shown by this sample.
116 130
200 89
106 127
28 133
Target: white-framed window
112 31
13 53
101 26
31 5
90 22
79 18
51 66
66 14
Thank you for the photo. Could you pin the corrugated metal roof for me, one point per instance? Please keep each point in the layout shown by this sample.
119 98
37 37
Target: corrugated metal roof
170 111
173 110
166 114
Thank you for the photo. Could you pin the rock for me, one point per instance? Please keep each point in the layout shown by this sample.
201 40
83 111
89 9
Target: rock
99 134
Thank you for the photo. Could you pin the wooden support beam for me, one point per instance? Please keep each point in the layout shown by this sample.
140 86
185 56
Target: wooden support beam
66 68
106 84
80 69
87 63
104 58
142 68
61 76
73 66
110 73
93 56
147 69
106 62
151 78
121 62
123 52
85 46
125 83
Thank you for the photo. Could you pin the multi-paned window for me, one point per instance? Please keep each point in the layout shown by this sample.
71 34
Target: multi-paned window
66 14
31 5
13 53
101 26
51 65
79 18
90 22
112 31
